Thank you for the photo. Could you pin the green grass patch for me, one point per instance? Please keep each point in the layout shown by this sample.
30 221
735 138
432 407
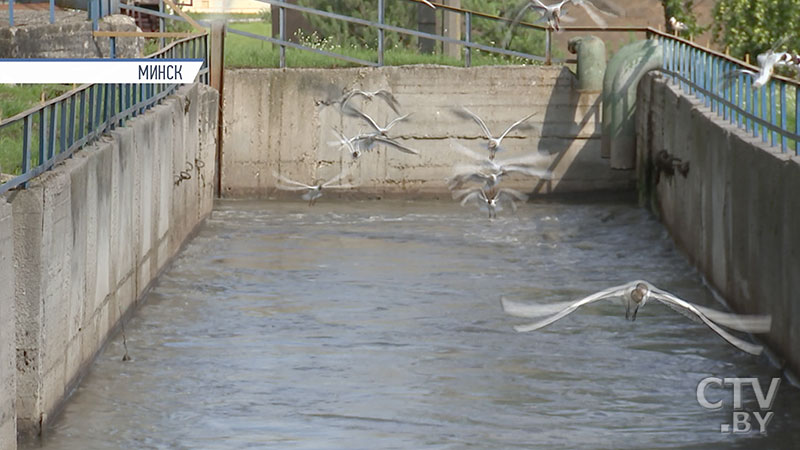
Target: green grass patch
242 51
14 100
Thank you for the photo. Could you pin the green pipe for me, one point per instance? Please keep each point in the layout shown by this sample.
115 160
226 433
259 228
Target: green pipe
624 71
591 52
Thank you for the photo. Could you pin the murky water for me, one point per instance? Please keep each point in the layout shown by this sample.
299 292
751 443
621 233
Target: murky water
378 325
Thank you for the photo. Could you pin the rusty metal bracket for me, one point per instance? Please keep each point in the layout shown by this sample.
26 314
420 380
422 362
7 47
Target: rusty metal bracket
667 164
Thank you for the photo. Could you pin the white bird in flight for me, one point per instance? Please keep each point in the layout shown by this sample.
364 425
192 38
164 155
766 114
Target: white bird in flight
491 204
494 142
383 131
313 192
349 143
634 295
491 178
767 63
554 14
383 94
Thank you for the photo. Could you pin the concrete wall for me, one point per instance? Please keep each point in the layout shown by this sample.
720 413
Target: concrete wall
69 37
8 373
281 120
91 235
736 212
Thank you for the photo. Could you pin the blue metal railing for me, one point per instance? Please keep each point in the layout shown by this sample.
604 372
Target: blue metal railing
382 27
766 112
54 131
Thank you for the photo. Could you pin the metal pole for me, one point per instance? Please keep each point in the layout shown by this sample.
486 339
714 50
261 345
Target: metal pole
161 41
282 31
547 49
27 138
784 113
381 12
468 38
94 12
52 11
11 14
113 44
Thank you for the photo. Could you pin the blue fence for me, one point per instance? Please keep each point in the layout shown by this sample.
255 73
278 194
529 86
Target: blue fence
280 7
47 134
771 112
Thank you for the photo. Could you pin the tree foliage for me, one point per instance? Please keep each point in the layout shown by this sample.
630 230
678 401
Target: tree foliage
755 26
681 10
403 13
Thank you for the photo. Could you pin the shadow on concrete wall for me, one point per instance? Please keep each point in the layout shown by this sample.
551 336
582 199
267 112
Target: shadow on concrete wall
570 134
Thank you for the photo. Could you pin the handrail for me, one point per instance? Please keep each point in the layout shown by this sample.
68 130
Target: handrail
282 5
80 116
761 111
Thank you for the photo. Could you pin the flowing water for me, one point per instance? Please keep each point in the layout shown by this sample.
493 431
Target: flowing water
378 325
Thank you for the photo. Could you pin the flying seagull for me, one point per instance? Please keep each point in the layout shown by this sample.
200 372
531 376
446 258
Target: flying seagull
493 203
349 143
767 63
383 131
554 14
494 142
491 178
382 94
484 162
313 192
381 134
634 295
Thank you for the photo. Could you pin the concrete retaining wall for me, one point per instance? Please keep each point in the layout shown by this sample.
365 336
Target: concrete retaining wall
281 120
90 236
8 373
736 212
69 37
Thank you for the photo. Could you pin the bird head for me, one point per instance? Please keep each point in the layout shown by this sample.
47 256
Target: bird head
636 297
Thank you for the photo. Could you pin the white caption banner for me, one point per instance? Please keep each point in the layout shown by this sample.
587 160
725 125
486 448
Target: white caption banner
82 71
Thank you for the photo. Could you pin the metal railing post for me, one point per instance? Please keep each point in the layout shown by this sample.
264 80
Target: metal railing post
784 141
282 34
94 11
52 11
548 42
763 113
468 38
381 17
113 47
27 131
161 24
11 13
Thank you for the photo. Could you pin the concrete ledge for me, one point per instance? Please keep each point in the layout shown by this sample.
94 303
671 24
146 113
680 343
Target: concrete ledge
734 214
89 237
281 121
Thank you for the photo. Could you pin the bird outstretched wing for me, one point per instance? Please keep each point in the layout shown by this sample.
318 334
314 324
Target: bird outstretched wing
395 144
683 307
290 185
616 291
514 125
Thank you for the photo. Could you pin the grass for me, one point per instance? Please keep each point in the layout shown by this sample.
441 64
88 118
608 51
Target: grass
14 100
241 51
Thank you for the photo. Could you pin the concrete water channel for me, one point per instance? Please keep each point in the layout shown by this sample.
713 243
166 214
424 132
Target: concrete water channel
377 324
373 319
